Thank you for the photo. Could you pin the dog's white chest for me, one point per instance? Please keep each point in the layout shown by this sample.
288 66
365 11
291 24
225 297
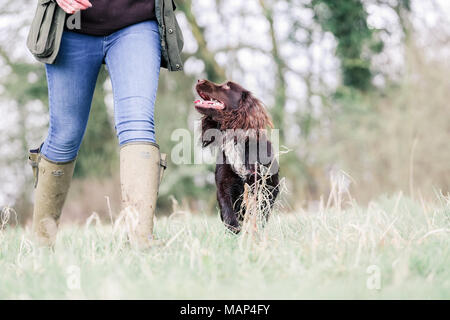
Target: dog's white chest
235 157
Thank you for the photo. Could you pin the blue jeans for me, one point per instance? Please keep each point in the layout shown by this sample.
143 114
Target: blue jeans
132 56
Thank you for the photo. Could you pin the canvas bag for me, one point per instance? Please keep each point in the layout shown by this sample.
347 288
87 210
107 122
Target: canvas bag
42 40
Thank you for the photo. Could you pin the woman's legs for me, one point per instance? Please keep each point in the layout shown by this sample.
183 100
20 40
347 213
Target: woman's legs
133 57
71 83
133 60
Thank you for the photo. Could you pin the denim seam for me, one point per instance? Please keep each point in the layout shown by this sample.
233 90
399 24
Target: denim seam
50 99
111 77
58 162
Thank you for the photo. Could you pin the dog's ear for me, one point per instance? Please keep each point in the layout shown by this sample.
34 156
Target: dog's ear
253 114
246 99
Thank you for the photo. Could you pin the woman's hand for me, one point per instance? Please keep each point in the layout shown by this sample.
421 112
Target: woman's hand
72 6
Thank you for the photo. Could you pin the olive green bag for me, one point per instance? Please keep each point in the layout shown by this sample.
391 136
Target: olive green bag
48 22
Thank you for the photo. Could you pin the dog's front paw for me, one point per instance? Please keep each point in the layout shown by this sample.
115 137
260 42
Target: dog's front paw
234 228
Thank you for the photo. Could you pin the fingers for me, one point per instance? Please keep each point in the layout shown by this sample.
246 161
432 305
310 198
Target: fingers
72 6
84 4
64 4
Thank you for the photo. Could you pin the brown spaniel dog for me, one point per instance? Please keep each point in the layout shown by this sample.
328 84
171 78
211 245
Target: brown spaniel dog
235 123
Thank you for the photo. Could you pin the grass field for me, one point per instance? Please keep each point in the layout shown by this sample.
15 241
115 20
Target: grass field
394 248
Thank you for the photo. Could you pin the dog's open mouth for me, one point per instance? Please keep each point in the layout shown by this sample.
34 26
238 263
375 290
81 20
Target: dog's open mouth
206 102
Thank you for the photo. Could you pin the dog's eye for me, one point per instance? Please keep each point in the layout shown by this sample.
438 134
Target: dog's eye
227 86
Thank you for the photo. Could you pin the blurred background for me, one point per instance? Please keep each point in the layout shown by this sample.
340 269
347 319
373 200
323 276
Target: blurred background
358 86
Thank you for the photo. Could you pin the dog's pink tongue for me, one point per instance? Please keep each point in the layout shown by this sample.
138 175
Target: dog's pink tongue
197 101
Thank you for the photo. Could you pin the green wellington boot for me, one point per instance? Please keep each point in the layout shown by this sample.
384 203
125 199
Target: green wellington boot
52 182
141 171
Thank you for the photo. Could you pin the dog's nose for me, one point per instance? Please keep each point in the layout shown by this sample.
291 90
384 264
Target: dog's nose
201 81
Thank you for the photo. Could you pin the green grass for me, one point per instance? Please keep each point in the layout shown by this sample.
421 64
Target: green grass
324 253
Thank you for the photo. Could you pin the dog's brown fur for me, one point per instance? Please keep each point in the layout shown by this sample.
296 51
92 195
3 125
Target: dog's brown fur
238 110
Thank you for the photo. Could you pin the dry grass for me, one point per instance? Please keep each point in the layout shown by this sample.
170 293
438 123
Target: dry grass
393 248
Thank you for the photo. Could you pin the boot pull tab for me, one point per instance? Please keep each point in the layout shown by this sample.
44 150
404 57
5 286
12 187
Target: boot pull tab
163 165
34 156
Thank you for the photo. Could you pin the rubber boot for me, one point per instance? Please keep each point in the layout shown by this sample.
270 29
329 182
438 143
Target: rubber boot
52 182
141 171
